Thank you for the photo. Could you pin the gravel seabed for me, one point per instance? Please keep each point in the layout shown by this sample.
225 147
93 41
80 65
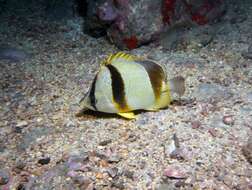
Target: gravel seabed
44 145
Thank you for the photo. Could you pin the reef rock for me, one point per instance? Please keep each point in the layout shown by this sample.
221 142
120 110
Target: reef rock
130 23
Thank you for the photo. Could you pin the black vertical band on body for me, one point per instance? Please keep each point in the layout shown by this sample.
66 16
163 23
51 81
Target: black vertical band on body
92 94
156 75
118 87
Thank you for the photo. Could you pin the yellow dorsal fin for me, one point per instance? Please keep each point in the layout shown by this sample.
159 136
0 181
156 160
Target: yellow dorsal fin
121 55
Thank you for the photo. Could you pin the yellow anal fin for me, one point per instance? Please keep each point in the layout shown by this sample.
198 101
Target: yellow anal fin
128 115
121 55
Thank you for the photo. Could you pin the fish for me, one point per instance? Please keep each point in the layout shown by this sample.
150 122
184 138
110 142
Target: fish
125 83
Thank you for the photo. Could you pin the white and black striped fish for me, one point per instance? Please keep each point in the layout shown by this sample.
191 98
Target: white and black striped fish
126 83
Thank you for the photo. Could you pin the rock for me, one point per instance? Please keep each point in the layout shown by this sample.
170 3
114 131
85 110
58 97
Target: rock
196 124
77 166
173 150
228 120
83 181
44 161
105 142
20 165
130 24
74 165
114 158
13 54
179 37
129 174
69 124
93 25
180 183
118 184
30 137
247 150
174 172
21 124
18 130
213 132
78 162
21 187
248 54
99 175
4 177
73 174
55 176
206 92
113 172
78 156
178 154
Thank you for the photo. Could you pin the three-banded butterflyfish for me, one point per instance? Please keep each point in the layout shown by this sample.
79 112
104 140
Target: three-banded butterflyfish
125 83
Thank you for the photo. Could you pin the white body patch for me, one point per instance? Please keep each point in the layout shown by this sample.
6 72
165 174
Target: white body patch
137 86
103 92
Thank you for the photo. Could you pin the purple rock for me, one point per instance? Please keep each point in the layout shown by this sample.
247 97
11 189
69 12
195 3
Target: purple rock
13 54
4 177
107 11
72 173
75 166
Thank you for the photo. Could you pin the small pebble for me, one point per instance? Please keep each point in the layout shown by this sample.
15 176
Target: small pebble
74 165
18 130
195 124
82 180
20 165
21 187
105 142
4 177
22 123
103 163
113 172
180 183
129 174
228 120
176 140
114 158
174 172
213 132
178 154
44 161
99 175
70 124
118 184
247 150
248 54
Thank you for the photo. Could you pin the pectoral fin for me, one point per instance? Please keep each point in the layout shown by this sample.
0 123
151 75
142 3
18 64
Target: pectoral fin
128 115
177 85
